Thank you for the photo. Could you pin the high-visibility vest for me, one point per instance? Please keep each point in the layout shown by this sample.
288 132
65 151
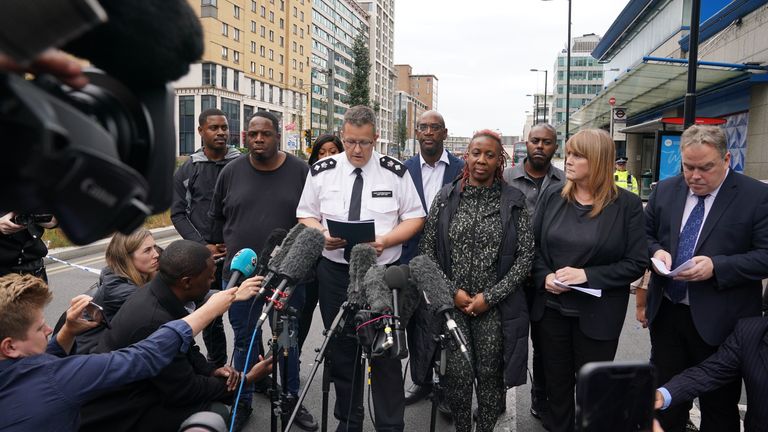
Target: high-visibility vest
624 179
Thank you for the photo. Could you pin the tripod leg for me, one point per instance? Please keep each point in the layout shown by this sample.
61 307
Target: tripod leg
326 391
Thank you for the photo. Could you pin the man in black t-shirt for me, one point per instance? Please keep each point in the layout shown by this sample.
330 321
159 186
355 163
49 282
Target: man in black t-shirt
255 194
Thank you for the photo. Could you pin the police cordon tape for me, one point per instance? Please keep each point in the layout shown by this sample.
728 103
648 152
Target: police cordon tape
77 266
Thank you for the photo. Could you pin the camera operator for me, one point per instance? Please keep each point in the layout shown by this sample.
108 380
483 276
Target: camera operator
21 245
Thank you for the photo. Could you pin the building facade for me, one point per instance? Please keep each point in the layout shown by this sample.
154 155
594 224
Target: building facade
645 55
382 80
335 25
586 80
256 58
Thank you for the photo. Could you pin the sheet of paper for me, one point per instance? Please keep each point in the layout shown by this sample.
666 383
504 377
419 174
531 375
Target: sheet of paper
662 269
590 291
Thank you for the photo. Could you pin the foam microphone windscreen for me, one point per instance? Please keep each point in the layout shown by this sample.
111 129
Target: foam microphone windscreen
431 281
377 293
303 255
275 238
144 42
285 247
362 258
244 262
409 297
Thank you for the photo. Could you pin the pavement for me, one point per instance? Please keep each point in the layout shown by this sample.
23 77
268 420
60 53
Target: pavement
99 247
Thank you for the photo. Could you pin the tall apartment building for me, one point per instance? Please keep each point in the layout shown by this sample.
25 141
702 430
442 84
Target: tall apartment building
424 87
335 25
586 80
414 95
382 80
256 59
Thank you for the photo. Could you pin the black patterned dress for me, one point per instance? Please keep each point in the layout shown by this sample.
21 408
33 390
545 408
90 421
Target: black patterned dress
475 234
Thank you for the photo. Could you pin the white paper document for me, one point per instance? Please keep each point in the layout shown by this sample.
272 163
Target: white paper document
662 269
590 291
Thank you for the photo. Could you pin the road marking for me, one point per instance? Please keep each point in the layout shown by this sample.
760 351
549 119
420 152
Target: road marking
508 421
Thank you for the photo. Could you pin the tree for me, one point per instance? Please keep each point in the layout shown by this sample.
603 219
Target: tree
359 93
401 133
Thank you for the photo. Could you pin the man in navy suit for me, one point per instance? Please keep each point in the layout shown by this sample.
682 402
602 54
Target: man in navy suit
718 220
430 170
743 355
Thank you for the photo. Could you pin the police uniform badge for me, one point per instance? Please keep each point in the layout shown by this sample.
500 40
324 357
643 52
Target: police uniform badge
392 164
323 165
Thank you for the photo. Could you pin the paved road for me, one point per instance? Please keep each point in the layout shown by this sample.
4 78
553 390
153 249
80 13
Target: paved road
66 282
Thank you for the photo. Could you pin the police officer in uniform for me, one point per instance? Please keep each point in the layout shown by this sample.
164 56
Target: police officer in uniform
360 184
623 178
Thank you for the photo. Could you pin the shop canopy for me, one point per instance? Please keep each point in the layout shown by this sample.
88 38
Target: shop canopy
647 86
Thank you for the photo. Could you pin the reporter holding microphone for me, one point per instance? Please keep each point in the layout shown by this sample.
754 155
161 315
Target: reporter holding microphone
479 233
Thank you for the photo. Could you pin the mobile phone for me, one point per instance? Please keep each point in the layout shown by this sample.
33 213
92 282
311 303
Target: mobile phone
94 312
615 396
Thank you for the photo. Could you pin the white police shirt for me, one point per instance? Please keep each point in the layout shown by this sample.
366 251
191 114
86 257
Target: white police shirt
389 197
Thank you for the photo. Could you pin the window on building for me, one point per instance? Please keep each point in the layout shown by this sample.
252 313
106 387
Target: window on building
282 5
301 49
231 110
294 46
271 16
253 26
295 29
236 81
282 41
271 73
209 74
271 36
253 47
208 3
282 23
253 6
301 67
295 12
236 12
271 54
293 64
263 93
247 113
207 102
225 29
223 77
263 12
253 67
262 51
253 89
281 59
186 124
236 34
281 78
301 33
301 16
261 70
236 56
263 31
224 52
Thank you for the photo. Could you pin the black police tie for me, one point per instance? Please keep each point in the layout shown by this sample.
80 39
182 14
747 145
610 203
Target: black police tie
357 196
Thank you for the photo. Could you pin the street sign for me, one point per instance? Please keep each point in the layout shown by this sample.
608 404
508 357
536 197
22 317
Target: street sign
618 122
619 114
612 101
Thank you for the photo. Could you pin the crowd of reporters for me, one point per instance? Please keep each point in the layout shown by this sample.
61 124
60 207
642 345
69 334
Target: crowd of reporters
502 252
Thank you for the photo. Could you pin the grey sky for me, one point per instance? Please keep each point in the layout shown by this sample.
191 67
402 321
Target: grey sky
482 51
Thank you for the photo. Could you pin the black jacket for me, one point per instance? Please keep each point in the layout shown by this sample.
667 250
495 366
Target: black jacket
184 387
513 309
193 185
113 291
619 257
22 251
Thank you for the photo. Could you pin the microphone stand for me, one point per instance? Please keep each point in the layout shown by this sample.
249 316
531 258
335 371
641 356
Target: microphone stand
440 364
283 338
346 313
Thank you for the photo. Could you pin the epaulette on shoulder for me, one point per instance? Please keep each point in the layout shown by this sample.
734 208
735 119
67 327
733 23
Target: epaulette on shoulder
393 165
323 165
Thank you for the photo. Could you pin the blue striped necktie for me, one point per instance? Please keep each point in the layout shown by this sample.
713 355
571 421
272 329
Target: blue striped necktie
685 247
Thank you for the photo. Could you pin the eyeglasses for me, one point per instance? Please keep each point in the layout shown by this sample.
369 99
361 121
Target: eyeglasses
362 144
434 127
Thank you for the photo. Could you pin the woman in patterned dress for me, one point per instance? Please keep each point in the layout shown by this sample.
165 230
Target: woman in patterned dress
478 232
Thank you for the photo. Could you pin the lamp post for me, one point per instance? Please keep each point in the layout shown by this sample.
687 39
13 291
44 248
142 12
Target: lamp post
689 103
545 91
568 77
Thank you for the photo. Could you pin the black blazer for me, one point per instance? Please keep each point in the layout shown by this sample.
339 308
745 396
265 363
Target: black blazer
743 355
618 258
734 235
455 165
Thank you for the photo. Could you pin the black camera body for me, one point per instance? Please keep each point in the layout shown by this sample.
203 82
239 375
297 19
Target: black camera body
27 219
376 334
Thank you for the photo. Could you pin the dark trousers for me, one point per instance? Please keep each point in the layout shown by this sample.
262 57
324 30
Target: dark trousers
213 335
413 338
346 371
539 384
308 311
565 349
676 346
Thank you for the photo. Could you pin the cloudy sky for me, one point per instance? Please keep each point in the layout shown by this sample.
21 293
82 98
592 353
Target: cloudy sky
482 55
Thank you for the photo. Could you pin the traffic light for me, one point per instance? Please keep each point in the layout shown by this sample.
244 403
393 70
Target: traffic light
308 138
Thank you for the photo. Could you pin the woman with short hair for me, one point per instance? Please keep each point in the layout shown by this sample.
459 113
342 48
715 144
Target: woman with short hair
589 233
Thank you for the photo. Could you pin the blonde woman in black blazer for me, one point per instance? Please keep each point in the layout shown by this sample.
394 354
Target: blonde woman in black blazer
588 233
